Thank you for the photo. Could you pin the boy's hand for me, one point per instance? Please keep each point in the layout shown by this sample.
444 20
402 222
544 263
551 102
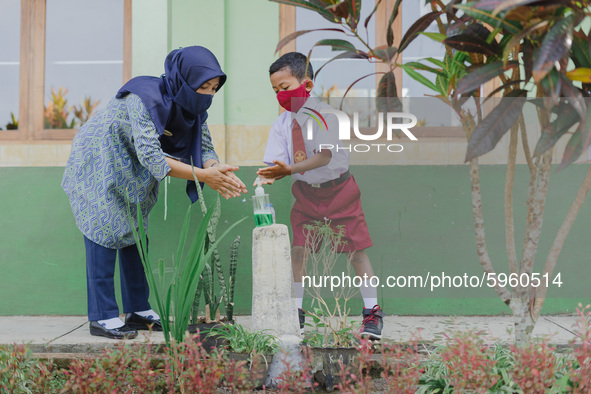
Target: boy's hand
279 170
265 181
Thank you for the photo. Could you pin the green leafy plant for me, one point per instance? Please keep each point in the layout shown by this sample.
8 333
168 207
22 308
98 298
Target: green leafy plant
13 124
180 292
331 326
58 115
240 340
206 283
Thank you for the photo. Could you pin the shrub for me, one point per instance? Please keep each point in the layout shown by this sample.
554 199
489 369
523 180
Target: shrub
534 367
581 367
472 363
298 378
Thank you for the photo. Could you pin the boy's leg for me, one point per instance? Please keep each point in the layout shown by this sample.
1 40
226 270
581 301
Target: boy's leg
100 269
298 268
372 312
362 266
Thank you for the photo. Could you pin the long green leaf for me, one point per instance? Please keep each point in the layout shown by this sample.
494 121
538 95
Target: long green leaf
482 74
573 149
555 45
491 129
421 79
423 67
183 237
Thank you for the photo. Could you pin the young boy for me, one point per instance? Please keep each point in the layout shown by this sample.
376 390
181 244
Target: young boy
323 187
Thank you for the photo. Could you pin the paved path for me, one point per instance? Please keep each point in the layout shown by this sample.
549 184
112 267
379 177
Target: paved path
70 334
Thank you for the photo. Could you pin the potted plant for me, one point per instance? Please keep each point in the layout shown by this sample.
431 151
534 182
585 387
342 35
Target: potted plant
174 305
206 283
257 348
332 339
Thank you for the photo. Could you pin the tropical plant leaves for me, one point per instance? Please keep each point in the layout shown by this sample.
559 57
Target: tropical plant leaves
418 27
567 117
285 40
354 12
482 74
421 79
472 44
389 31
336 44
310 5
581 49
491 129
485 16
554 46
387 99
581 74
345 55
386 54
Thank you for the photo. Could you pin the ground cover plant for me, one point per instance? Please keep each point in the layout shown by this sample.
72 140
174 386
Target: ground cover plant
464 363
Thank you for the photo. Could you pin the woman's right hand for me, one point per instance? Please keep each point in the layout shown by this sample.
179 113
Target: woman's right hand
219 179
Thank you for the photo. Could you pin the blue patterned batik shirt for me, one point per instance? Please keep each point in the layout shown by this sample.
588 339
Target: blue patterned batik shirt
116 158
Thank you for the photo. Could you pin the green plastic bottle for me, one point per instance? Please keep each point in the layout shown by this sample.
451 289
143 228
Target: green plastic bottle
263 213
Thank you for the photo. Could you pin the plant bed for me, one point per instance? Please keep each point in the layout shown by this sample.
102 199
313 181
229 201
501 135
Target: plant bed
258 364
327 361
209 341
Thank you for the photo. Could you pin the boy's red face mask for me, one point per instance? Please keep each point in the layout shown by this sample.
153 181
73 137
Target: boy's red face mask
293 100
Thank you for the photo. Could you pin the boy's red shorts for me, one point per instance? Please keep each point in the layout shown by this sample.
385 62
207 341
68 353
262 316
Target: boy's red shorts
341 204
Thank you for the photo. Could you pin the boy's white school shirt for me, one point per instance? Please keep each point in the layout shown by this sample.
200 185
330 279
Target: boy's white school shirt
280 146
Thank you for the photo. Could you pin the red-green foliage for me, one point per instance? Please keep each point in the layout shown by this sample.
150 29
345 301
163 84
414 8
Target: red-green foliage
122 370
581 370
400 367
355 377
472 363
297 379
534 368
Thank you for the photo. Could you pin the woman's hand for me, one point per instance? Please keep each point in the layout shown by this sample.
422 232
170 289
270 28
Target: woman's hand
229 170
222 179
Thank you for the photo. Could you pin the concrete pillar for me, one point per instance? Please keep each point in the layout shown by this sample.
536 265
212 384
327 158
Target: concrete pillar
273 305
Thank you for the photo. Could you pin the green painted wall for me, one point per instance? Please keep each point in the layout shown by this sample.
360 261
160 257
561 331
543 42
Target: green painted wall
419 218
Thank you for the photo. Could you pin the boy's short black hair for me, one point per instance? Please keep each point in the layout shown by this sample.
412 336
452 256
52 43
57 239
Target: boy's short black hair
297 64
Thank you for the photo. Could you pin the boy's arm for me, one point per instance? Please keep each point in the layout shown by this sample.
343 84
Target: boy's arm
280 169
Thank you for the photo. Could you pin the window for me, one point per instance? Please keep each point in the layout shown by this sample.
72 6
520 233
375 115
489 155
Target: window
9 65
74 55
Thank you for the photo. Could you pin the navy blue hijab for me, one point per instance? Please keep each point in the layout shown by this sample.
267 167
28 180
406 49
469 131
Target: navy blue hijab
174 104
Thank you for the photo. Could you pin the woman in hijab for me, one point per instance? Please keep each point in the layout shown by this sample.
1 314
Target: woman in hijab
154 127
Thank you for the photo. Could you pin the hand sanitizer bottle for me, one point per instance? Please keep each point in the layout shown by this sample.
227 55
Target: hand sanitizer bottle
263 215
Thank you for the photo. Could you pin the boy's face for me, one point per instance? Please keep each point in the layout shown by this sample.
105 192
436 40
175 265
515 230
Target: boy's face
284 80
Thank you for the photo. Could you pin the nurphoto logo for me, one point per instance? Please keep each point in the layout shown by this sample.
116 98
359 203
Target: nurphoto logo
394 121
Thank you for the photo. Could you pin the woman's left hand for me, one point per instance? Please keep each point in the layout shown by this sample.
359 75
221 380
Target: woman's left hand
229 169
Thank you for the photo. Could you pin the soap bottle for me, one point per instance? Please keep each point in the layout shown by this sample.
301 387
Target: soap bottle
263 214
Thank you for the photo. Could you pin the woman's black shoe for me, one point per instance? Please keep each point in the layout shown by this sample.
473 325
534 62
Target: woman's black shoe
137 322
123 332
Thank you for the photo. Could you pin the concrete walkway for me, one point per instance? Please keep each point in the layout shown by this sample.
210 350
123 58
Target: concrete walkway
70 334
